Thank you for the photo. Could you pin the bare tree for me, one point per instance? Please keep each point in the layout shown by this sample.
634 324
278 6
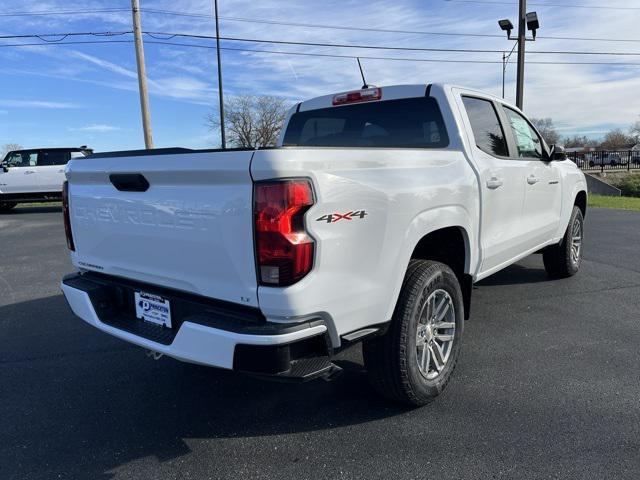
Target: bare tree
547 130
251 121
617 140
635 131
579 141
8 147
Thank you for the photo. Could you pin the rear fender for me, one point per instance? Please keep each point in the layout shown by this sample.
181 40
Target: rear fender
428 222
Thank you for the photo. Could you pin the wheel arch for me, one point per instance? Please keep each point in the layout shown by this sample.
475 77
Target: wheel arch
580 200
449 245
445 234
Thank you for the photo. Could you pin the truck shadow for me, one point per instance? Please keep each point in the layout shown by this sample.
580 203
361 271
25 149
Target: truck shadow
516 274
86 402
27 210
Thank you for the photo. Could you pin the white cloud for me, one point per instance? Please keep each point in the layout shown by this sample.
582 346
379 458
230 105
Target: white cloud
99 128
37 104
106 64
580 98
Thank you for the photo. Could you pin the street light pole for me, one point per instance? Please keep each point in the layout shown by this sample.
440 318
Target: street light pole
522 30
142 75
223 140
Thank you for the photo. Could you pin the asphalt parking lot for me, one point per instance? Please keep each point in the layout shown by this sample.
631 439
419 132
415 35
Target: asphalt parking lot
548 385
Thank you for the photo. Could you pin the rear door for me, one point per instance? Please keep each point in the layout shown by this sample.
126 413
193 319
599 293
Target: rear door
51 165
182 221
502 234
542 199
22 175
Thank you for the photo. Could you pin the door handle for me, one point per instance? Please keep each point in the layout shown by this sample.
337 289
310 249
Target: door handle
532 179
61 171
493 183
28 172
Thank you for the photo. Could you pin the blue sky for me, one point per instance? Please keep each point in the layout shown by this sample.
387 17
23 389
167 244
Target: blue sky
87 94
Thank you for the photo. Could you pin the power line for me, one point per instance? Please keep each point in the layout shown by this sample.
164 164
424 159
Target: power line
170 35
378 30
414 32
45 36
555 5
248 50
62 12
324 26
384 47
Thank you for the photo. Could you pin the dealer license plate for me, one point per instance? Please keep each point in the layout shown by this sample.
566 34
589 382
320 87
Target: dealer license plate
153 308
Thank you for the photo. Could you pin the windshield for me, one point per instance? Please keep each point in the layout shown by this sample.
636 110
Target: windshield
405 123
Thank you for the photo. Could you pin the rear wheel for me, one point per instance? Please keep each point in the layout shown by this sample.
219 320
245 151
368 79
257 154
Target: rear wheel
6 206
563 260
413 362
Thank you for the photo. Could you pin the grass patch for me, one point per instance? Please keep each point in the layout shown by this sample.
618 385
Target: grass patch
39 204
622 203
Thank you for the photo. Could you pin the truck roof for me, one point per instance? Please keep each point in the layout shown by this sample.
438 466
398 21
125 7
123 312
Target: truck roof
83 148
389 92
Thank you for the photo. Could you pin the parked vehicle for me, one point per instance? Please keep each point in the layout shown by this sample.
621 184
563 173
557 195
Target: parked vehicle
611 158
369 223
34 175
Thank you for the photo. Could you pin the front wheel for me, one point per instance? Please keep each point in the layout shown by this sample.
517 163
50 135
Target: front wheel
563 260
6 206
414 360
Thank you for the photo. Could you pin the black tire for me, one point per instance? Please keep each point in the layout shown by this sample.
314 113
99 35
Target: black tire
392 359
558 260
6 206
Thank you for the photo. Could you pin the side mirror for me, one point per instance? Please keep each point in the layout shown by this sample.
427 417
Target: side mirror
557 153
4 167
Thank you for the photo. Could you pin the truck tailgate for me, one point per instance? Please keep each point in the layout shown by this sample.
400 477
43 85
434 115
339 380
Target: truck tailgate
190 230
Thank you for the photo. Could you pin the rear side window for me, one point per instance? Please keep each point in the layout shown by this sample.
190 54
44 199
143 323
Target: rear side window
486 127
405 123
54 157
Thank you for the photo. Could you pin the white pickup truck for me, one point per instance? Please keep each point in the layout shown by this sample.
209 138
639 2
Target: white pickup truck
369 222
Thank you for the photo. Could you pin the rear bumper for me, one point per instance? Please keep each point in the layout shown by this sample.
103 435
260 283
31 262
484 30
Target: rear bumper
206 332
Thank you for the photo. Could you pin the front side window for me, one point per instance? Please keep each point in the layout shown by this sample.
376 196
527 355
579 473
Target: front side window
486 126
527 140
404 123
22 159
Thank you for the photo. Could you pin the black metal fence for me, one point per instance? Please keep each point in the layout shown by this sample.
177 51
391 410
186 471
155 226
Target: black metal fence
604 160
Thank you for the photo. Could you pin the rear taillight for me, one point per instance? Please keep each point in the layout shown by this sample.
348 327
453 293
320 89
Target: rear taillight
357 96
65 216
284 250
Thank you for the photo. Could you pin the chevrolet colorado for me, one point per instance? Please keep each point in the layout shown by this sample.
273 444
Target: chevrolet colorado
369 222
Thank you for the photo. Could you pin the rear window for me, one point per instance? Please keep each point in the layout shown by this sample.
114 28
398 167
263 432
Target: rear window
405 123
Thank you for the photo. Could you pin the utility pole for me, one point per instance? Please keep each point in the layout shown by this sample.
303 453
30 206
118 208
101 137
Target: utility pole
142 75
522 31
223 140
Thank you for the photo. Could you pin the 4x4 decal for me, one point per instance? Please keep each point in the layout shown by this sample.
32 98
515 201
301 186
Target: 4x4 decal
336 217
